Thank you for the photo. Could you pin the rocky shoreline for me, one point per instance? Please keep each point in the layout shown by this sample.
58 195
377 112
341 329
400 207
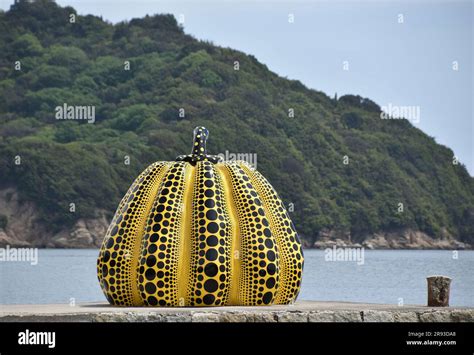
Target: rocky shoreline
24 230
83 237
403 239
87 234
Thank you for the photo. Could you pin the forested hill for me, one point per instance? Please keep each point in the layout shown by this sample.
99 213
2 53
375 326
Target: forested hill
340 168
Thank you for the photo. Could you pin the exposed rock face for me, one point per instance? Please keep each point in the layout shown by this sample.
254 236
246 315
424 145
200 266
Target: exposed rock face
24 230
21 218
86 233
403 239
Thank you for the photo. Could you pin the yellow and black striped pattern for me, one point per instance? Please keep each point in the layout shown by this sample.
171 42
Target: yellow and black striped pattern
205 233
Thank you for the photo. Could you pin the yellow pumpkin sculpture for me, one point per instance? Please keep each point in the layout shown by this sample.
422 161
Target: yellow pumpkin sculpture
200 232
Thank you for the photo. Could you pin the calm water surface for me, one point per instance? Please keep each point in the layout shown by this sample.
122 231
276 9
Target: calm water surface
384 277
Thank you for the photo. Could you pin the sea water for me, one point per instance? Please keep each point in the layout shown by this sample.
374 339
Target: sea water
383 276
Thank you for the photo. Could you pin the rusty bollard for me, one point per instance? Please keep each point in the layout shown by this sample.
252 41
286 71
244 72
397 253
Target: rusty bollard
438 291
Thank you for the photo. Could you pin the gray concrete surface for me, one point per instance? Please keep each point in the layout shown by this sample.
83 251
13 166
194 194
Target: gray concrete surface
301 311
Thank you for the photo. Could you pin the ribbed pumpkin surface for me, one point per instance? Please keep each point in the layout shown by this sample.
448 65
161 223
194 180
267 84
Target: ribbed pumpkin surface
200 233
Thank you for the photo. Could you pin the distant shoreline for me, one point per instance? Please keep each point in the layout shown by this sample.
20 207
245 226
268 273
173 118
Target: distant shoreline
304 248
90 235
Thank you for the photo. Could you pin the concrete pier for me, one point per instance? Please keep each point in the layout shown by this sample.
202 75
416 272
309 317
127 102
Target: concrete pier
301 311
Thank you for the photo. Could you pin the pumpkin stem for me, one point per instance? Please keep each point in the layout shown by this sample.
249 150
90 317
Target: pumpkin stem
199 151
199 141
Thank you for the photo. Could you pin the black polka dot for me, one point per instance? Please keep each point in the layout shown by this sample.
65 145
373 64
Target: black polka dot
270 282
211 254
211 215
152 301
150 274
267 297
212 240
210 203
271 268
271 255
104 270
209 299
212 227
211 285
150 287
151 260
211 269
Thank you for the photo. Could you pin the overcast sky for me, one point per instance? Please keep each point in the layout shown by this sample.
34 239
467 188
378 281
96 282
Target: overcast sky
397 52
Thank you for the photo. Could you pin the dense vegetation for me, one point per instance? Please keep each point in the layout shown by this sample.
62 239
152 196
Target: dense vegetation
246 110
